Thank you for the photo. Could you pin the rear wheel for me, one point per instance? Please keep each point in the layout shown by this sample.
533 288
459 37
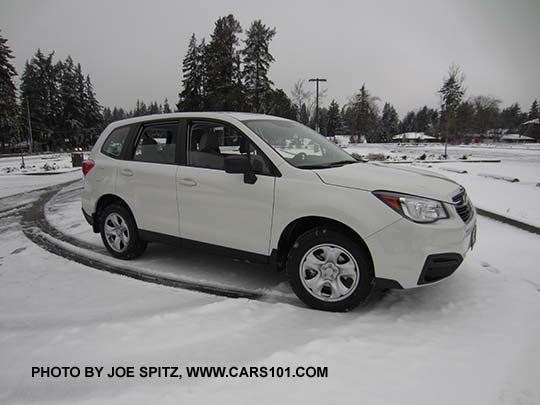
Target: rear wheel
329 271
119 233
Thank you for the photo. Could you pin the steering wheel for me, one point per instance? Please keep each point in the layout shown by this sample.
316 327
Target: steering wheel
299 157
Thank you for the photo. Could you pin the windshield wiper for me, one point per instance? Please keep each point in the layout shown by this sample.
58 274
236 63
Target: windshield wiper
342 162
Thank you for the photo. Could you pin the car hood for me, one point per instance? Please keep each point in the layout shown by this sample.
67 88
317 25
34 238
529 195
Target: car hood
390 177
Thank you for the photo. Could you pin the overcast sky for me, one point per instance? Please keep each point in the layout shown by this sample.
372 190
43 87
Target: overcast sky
401 50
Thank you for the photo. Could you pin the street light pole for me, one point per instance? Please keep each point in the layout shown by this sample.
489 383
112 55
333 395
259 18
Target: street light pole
29 126
317 80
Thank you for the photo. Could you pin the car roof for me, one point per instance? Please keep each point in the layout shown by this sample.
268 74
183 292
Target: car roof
239 116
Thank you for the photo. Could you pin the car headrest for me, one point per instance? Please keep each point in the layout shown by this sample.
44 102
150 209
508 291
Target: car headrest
208 143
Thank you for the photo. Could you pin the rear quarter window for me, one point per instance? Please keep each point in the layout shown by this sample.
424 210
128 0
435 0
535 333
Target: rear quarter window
115 142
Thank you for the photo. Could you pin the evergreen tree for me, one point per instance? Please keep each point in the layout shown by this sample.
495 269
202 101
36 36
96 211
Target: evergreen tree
451 92
107 116
534 112
303 114
224 85
408 123
257 60
40 94
8 96
512 117
364 115
193 70
140 109
153 108
389 125
279 104
166 107
333 121
72 103
93 120
465 116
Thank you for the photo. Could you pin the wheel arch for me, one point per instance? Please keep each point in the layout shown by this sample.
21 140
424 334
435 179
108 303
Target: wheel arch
299 226
104 201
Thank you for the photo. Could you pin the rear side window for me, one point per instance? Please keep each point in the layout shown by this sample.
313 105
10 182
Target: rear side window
115 142
156 144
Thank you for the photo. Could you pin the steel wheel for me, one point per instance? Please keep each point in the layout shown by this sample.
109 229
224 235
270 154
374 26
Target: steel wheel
116 232
329 272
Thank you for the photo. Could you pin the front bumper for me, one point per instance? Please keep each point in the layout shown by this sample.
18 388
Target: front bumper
412 255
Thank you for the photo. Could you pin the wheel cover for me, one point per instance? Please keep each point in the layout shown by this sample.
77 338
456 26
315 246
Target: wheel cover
116 232
329 272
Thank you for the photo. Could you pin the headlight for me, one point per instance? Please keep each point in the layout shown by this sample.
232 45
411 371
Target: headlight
416 209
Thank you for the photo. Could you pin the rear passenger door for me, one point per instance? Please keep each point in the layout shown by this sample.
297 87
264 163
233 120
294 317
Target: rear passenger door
147 179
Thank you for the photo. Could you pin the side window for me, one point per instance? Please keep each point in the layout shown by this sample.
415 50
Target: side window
210 143
156 143
115 142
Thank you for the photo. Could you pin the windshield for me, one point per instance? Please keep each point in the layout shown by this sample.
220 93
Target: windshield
299 145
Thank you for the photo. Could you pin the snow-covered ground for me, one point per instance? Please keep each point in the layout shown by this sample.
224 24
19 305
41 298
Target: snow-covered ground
472 339
39 171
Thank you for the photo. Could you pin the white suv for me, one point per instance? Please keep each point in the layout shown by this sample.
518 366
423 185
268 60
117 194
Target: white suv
271 190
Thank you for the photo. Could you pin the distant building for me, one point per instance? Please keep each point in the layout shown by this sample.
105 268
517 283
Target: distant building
532 129
414 137
516 138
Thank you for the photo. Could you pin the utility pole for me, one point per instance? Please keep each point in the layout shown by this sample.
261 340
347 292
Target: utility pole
317 80
29 126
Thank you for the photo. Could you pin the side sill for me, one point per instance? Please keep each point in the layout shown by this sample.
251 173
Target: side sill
151 236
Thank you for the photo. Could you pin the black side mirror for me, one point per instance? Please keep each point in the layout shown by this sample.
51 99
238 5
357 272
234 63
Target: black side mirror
240 164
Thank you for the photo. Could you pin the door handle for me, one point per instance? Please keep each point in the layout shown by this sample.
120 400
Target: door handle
126 172
188 182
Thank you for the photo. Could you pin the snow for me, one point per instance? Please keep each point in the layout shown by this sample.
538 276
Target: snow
417 136
41 171
516 137
471 339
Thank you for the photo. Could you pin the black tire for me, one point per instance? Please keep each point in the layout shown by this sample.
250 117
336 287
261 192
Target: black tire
135 246
358 290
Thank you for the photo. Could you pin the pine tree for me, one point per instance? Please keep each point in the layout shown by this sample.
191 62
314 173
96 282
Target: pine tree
72 96
93 122
303 115
389 125
451 92
166 107
465 119
40 94
193 70
224 85
333 121
364 114
534 112
408 123
257 60
8 96
279 104
512 117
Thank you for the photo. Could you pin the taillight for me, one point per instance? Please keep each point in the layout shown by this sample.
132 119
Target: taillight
87 166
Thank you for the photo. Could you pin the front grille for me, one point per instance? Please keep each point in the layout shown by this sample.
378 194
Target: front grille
463 206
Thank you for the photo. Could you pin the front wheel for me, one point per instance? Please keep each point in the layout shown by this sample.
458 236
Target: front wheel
119 233
329 271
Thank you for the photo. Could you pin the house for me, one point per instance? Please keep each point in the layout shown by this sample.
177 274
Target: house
532 129
414 137
516 138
